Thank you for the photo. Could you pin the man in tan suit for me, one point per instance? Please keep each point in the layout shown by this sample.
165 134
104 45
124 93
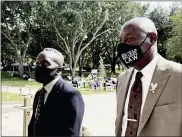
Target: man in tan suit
149 92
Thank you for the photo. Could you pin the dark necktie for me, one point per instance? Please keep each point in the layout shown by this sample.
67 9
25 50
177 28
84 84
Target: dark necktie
39 106
134 106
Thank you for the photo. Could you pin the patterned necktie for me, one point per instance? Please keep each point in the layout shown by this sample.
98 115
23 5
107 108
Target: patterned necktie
39 106
134 106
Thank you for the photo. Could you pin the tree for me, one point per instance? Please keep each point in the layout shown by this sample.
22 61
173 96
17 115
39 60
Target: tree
83 23
76 24
174 44
7 54
17 21
164 27
120 12
101 69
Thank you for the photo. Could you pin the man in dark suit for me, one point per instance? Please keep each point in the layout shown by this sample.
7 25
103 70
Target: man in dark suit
58 108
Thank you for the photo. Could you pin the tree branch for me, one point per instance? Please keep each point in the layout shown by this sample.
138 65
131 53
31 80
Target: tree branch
26 47
77 37
7 28
101 25
60 46
13 43
80 44
104 32
73 45
10 39
66 45
103 22
28 42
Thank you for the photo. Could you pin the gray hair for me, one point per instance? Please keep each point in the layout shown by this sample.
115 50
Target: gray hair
144 23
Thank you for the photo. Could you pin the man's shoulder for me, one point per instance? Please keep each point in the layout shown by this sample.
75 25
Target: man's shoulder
67 89
176 67
123 73
38 92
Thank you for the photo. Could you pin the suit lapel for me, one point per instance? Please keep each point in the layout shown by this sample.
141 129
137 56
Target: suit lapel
161 76
56 88
123 90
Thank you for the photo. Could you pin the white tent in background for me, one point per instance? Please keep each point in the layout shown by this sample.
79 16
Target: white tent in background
25 66
94 71
17 64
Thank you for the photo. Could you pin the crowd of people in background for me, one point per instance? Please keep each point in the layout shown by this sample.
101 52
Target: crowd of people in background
94 82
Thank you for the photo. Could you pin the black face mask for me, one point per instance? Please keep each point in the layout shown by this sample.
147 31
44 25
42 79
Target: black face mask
130 54
44 75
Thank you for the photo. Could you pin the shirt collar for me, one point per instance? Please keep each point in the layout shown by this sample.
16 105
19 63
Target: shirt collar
148 70
50 85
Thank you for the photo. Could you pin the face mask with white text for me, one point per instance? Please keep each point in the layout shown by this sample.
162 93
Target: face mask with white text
130 54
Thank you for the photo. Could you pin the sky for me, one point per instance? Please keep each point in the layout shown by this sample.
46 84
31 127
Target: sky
164 4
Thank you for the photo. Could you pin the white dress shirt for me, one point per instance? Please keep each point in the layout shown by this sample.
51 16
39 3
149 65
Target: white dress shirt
49 87
146 80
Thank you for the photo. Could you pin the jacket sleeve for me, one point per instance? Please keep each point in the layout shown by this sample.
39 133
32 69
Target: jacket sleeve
76 112
30 126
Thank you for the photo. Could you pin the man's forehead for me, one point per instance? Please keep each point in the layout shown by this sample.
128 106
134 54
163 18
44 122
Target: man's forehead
130 29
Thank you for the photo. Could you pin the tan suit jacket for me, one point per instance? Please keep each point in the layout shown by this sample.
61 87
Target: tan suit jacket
162 113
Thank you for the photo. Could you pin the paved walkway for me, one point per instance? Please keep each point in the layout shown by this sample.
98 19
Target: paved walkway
24 90
99 117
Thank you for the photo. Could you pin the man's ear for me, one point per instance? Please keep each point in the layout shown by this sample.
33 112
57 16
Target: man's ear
153 37
59 70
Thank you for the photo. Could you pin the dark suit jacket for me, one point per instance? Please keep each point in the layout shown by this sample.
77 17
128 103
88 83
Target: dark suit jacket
62 114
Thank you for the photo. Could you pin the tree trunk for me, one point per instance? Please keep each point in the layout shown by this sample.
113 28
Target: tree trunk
21 69
20 61
113 64
71 66
81 65
119 67
72 71
94 61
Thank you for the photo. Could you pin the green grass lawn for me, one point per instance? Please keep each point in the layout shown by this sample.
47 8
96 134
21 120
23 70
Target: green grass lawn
10 97
16 81
87 91
8 80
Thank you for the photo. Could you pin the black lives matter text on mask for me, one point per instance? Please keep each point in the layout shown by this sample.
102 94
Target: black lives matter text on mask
130 56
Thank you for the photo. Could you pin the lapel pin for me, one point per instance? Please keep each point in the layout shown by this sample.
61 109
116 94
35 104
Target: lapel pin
153 87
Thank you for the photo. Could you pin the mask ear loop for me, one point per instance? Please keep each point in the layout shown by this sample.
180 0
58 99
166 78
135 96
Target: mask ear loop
144 39
59 71
149 34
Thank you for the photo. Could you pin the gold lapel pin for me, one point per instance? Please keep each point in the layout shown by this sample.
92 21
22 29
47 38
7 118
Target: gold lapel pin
153 87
